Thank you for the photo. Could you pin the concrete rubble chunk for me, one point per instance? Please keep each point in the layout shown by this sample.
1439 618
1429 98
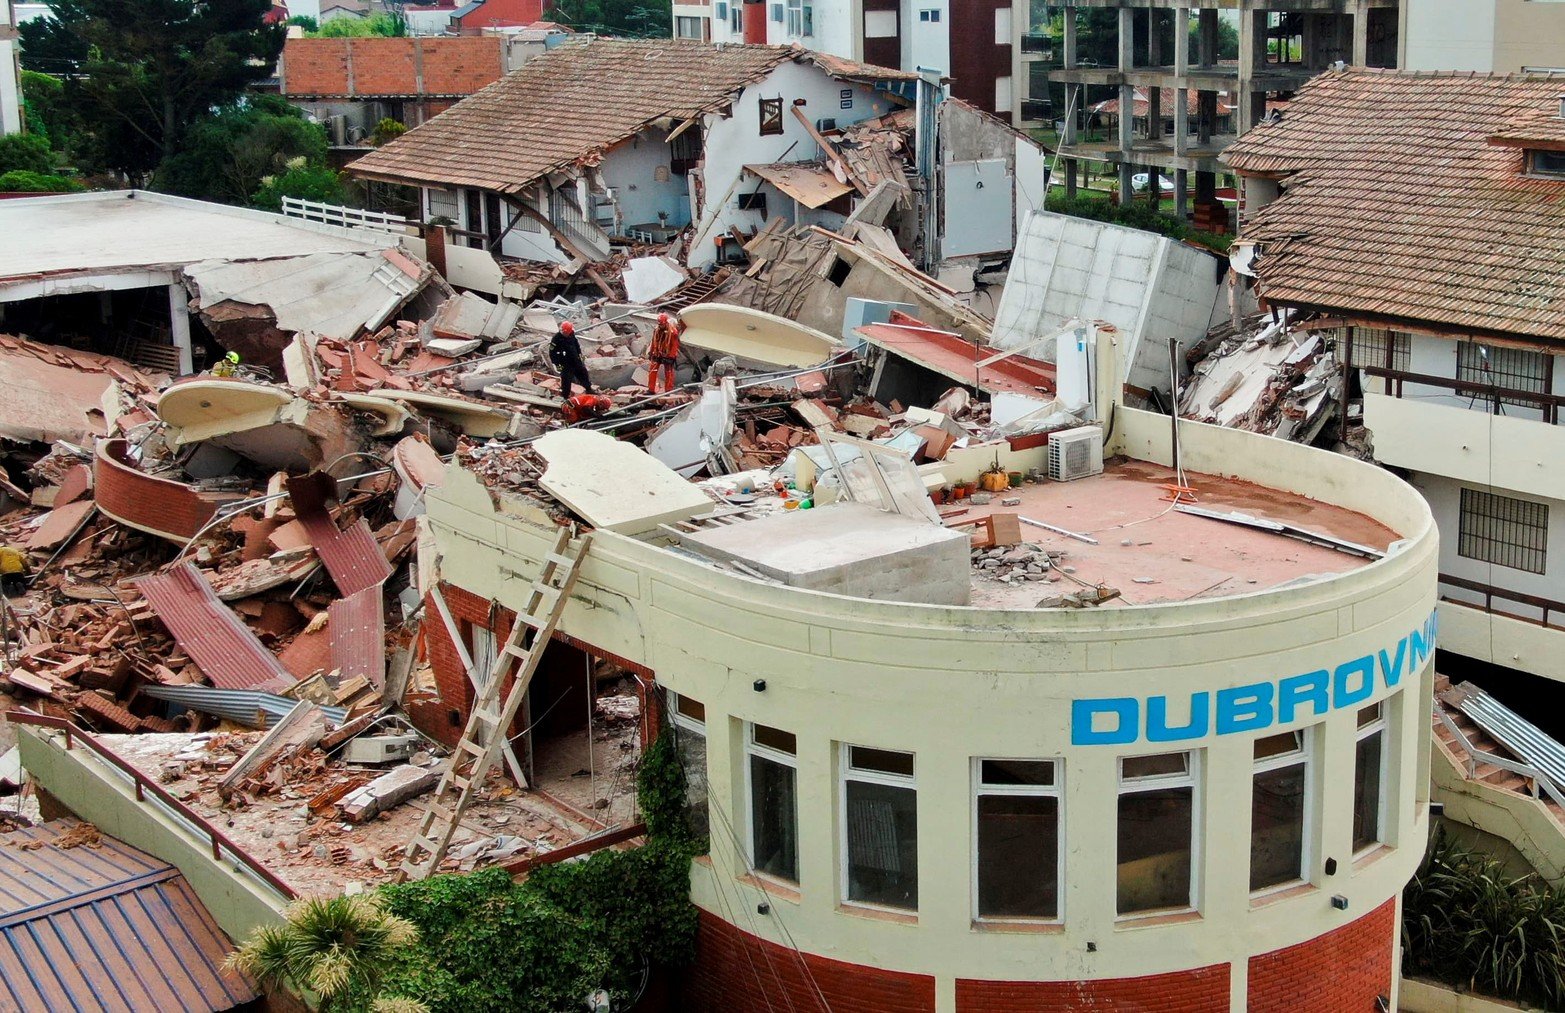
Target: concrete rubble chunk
388 791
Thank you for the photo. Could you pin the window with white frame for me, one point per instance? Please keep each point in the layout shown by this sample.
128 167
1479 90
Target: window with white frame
798 18
1502 368
442 204
736 18
1503 530
1382 349
1369 777
1157 827
689 720
689 28
1278 809
774 801
929 15
879 828
777 13
720 10
1016 824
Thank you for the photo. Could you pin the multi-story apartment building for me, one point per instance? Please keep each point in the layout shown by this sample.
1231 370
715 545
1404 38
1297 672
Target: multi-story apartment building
1426 213
1282 44
968 41
1488 36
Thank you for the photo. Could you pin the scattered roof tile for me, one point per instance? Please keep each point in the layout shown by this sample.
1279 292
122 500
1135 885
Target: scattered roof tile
1395 204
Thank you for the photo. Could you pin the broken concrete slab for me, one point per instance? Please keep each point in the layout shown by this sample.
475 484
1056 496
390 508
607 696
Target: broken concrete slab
454 348
755 339
646 279
388 791
613 485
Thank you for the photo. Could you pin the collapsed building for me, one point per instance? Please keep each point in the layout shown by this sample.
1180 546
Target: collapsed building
549 596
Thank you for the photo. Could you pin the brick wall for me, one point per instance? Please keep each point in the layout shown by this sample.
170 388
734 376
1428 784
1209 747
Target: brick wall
315 67
1343 971
501 13
146 502
734 970
1200 990
384 66
456 694
390 68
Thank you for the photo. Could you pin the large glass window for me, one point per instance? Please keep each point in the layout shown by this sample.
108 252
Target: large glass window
774 802
1369 774
880 827
1017 823
1277 809
689 720
1156 848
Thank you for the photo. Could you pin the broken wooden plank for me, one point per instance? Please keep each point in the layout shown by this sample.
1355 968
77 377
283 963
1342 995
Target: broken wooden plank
299 729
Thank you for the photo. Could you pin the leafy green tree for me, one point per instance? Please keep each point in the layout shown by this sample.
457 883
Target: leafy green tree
335 947
27 152
387 130
142 71
306 22
225 156
300 179
381 24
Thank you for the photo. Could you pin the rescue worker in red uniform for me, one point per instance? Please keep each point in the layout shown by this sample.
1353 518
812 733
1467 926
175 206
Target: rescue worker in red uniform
663 353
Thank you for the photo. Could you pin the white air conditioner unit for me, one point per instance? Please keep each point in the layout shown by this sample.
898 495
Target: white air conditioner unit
1076 453
380 748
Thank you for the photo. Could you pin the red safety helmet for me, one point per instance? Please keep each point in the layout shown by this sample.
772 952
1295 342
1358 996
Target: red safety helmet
663 318
567 328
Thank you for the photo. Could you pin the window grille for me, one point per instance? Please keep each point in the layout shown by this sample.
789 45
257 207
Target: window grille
1503 530
1516 369
1381 349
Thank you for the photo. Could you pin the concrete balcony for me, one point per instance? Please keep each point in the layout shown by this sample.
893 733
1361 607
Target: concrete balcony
1223 78
1469 445
1160 153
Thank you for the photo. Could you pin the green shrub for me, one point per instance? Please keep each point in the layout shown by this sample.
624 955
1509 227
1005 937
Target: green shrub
386 130
26 152
1467 922
300 179
22 181
1138 214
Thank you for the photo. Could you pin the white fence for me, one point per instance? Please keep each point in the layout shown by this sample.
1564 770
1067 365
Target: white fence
335 214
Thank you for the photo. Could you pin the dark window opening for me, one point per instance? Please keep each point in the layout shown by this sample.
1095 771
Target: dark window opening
771 116
838 275
684 151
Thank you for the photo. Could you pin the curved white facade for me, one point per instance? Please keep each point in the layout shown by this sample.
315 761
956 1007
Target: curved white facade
954 685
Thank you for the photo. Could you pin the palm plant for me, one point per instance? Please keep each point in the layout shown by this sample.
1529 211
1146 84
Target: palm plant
338 948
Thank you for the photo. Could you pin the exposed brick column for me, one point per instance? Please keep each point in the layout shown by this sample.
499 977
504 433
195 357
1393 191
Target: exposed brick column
1343 971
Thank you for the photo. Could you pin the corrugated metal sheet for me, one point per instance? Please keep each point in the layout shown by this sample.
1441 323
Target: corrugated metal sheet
216 639
357 625
106 928
245 706
352 557
1514 732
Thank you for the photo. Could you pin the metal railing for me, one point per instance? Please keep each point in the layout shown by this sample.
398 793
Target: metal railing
144 785
1483 395
336 214
1537 781
1491 593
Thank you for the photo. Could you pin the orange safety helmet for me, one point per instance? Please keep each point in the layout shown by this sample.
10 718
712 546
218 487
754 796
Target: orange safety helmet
567 328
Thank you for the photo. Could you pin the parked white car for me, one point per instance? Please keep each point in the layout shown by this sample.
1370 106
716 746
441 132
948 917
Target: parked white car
1138 183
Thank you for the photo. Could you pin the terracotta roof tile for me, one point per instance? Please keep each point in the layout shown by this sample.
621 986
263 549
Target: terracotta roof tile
573 102
1397 205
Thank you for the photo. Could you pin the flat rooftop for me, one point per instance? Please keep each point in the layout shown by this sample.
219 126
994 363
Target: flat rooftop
127 230
315 850
1152 553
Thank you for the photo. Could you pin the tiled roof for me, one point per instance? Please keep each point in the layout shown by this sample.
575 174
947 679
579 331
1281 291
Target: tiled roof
566 106
1396 205
1539 128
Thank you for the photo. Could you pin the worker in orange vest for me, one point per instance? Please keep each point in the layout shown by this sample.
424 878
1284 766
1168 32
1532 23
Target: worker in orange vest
663 353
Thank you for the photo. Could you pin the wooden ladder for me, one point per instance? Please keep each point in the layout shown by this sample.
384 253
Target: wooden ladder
484 738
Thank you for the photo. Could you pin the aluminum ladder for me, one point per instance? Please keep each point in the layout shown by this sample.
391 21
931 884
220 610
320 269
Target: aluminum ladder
484 738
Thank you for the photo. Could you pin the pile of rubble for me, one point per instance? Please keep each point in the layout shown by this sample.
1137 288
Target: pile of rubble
1275 377
1009 564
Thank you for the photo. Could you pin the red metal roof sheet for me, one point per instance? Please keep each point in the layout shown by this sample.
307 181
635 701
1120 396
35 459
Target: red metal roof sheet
216 639
352 557
357 625
953 356
106 927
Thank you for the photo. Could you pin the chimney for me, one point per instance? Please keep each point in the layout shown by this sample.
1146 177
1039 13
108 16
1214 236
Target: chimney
435 248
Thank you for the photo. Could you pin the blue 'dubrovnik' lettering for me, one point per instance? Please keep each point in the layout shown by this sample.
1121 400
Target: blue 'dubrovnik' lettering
1119 721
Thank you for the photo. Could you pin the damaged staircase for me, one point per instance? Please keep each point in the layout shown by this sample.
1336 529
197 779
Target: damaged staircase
484 738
